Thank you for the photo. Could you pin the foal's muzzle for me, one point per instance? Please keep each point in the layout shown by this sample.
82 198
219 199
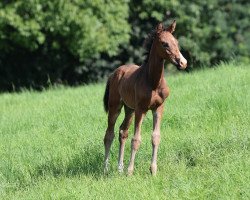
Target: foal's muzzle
180 62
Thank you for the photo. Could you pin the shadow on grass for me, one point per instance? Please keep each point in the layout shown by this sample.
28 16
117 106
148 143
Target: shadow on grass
88 162
187 156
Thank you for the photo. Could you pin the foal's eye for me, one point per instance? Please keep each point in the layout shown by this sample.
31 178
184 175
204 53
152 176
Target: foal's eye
165 45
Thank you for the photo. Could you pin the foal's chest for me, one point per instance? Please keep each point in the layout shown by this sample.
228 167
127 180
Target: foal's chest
158 97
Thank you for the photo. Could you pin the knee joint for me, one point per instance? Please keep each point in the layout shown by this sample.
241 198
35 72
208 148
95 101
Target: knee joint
123 135
136 143
156 139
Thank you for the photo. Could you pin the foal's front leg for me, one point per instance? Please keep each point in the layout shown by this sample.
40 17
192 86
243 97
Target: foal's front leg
136 140
157 114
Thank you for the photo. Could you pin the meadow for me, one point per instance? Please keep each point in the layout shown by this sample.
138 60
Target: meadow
51 142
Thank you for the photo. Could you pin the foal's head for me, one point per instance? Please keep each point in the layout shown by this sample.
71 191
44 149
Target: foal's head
167 46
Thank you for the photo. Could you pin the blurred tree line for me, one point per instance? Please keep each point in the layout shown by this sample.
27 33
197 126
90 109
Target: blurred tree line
59 41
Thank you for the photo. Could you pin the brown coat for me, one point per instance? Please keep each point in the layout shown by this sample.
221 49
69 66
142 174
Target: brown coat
140 89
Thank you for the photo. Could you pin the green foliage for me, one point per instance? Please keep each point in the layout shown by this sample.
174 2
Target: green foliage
86 27
58 32
208 31
51 143
60 41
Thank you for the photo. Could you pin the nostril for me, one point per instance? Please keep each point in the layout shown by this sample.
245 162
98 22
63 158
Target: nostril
183 63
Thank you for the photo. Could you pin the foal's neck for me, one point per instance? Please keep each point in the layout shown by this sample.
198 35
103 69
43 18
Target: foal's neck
155 68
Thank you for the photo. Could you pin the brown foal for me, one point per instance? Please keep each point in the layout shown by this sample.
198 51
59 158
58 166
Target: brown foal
140 89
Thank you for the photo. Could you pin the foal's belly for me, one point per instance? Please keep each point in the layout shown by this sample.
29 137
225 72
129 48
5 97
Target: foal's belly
127 85
129 101
127 92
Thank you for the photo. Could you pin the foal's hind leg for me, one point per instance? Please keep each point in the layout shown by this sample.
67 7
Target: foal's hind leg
114 111
135 143
123 135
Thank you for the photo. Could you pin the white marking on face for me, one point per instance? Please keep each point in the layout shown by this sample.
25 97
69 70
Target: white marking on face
183 61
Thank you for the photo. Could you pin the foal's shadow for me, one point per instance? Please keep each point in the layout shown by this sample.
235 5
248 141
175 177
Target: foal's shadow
88 162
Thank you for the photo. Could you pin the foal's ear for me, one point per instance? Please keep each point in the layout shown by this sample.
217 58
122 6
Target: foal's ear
171 28
159 28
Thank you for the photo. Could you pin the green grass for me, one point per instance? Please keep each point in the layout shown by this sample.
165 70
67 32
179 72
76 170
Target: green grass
51 144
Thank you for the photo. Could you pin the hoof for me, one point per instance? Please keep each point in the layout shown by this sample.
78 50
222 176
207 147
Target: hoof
106 171
153 170
130 172
120 169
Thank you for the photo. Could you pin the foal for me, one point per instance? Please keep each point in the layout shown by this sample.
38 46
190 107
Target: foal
140 89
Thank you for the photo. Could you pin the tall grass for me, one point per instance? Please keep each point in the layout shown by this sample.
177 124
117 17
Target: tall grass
51 144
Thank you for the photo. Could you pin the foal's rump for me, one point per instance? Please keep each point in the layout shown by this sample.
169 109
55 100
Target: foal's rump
120 86
106 97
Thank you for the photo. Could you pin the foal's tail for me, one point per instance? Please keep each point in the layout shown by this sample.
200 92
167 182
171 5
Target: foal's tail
106 97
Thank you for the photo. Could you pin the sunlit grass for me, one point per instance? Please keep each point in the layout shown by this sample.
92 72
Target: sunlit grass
51 144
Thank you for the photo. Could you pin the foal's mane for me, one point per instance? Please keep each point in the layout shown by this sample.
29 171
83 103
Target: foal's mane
147 44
